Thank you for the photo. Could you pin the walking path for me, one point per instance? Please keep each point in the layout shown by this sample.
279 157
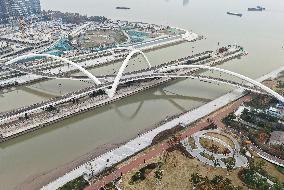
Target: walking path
267 156
159 149
117 155
234 151
145 140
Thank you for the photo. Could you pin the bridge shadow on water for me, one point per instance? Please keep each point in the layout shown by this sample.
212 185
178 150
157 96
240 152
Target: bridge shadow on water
155 94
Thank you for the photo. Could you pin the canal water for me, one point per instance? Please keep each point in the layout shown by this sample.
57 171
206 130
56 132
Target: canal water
261 34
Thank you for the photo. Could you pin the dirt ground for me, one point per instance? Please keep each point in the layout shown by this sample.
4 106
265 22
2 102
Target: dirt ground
177 170
223 138
208 144
273 84
107 37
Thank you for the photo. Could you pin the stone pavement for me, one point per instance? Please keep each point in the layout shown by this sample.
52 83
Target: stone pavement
234 151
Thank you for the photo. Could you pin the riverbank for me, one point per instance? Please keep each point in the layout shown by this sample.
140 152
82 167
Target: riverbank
88 100
93 60
186 119
145 140
38 181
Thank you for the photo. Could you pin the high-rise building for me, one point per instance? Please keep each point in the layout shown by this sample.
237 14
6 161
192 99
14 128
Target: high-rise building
17 8
3 9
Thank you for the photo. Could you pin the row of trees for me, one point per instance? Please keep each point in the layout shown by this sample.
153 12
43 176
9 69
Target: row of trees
216 183
141 174
260 101
79 184
254 135
73 18
257 178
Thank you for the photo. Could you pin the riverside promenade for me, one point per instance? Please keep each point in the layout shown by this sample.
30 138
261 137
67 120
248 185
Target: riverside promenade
143 141
160 148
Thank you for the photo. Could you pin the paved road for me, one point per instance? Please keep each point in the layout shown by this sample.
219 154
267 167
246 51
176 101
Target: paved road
159 149
267 156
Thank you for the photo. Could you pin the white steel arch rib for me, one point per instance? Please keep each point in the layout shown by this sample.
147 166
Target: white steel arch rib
87 73
258 84
112 91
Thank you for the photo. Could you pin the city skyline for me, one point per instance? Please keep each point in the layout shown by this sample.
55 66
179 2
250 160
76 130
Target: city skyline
19 8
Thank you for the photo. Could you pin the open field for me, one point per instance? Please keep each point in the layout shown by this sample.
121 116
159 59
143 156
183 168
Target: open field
96 38
177 170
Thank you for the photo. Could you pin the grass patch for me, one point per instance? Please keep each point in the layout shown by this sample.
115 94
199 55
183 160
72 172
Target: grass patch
77 184
218 182
221 137
141 174
177 170
208 156
213 146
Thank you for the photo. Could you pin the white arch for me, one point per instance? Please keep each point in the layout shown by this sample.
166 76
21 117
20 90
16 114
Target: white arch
263 87
112 91
90 75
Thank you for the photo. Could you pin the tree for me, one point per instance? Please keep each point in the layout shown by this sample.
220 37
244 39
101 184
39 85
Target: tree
227 182
277 186
257 165
196 178
230 163
217 179
70 38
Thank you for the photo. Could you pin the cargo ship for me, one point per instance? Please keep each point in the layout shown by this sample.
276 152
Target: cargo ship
122 8
235 14
258 8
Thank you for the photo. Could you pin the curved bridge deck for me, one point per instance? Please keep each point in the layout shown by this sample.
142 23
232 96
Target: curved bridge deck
45 113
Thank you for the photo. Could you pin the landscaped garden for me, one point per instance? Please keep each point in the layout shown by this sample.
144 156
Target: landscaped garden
222 138
208 156
261 101
177 170
256 177
214 146
142 173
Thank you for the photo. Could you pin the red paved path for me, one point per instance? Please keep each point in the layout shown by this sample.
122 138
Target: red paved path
160 148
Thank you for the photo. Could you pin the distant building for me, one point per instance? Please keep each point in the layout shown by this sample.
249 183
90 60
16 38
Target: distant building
3 9
19 8
276 138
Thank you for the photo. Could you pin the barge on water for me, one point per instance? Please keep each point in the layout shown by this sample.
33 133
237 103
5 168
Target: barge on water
122 8
257 8
235 14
